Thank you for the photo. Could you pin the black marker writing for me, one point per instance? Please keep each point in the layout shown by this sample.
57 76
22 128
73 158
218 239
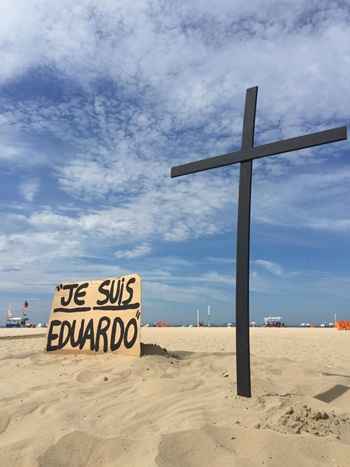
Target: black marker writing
51 336
72 310
80 294
129 290
133 306
121 292
76 292
82 333
102 328
113 293
89 334
103 289
129 343
116 344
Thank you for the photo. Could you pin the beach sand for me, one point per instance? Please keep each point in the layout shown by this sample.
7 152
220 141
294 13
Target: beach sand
178 408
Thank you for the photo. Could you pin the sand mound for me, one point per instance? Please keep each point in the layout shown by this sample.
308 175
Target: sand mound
304 419
80 449
213 446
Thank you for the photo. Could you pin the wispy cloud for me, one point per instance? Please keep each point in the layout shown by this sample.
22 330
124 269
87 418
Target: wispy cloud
270 266
137 252
29 189
304 199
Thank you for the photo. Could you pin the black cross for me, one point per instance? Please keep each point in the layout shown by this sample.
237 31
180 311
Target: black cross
245 156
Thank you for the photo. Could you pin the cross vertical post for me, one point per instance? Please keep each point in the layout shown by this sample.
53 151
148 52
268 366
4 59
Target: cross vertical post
243 249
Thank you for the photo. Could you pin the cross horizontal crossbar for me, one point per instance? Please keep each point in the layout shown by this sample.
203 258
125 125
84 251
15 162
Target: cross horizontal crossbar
270 149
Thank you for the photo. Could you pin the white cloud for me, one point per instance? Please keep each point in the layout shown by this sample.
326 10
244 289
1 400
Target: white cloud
23 249
175 212
137 252
270 266
29 189
17 150
195 58
313 200
193 289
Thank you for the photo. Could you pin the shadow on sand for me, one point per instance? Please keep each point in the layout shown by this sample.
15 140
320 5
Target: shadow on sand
332 393
155 349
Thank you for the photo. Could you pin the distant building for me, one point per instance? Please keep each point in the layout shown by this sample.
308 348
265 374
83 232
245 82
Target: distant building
273 321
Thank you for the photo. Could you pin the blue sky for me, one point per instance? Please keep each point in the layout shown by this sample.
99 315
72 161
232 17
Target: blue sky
97 102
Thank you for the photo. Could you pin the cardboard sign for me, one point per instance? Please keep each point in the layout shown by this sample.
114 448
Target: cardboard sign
97 316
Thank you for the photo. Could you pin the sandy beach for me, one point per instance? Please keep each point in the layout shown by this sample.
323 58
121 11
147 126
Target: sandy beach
178 407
